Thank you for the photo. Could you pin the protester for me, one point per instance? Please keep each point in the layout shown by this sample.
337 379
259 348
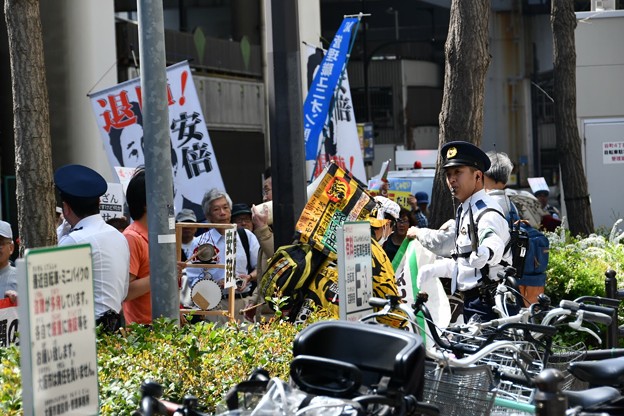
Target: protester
419 203
188 234
260 216
80 189
392 244
383 223
217 207
496 178
8 274
542 196
241 215
120 223
267 186
138 304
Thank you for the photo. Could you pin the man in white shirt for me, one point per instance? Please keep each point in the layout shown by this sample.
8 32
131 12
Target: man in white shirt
217 206
80 189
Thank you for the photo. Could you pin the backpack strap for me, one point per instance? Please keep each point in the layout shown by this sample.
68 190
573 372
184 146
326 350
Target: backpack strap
245 242
485 270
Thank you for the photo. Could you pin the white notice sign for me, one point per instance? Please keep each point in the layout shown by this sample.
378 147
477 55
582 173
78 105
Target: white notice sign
612 152
355 276
57 331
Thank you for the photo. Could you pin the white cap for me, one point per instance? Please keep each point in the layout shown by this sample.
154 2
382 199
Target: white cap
5 230
385 205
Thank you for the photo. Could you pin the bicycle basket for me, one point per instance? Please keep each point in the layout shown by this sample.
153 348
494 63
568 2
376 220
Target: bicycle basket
459 391
561 358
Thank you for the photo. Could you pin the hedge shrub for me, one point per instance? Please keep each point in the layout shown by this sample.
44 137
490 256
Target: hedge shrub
202 359
577 265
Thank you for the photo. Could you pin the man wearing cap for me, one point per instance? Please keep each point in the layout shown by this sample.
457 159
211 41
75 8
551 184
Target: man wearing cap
542 197
419 202
80 189
8 275
482 231
241 215
188 234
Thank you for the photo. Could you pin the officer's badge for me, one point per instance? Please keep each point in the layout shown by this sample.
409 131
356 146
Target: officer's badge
451 152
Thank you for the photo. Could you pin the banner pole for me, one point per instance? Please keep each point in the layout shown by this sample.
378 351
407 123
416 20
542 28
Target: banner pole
335 94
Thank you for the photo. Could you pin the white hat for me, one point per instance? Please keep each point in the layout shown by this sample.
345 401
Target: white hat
387 206
5 230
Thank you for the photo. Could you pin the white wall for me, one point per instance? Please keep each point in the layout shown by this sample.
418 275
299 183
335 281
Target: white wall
310 33
600 64
600 107
79 37
507 109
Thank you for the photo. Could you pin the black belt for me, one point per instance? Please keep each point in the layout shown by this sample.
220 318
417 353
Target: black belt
479 291
110 321
475 292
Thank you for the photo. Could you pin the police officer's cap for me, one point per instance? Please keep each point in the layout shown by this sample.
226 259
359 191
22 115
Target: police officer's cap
460 153
79 181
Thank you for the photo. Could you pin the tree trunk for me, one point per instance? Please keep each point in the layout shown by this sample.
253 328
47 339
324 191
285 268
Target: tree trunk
577 202
461 117
33 155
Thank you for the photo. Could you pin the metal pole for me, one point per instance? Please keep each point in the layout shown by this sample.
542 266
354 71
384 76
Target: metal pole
549 400
611 292
396 24
158 176
365 60
288 170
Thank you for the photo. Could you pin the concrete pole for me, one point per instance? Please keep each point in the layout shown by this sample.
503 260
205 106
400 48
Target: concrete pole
158 175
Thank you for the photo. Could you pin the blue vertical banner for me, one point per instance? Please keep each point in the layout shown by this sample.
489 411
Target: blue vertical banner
318 102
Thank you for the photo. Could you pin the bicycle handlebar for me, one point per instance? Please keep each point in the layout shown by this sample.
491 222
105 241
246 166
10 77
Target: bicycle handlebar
597 317
377 302
599 300
575 306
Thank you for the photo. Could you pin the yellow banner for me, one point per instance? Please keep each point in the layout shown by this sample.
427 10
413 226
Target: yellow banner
339 197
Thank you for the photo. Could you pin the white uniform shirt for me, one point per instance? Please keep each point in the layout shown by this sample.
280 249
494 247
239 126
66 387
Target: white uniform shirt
493 233
111 261
215 238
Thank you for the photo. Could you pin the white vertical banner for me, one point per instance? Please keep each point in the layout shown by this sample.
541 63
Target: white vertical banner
339 140
120 122
355 270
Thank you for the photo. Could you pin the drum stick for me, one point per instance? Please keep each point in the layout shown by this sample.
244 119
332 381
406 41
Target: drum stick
249 308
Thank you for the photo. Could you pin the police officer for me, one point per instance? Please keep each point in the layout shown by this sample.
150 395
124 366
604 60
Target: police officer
482 231
80 189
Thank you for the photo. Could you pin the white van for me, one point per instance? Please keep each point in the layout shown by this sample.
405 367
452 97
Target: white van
406 181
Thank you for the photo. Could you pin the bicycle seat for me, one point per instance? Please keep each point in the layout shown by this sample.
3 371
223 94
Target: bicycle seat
387 358
591 397
609 372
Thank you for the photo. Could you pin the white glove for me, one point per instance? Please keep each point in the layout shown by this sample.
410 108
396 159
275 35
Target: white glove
478 259
63 229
